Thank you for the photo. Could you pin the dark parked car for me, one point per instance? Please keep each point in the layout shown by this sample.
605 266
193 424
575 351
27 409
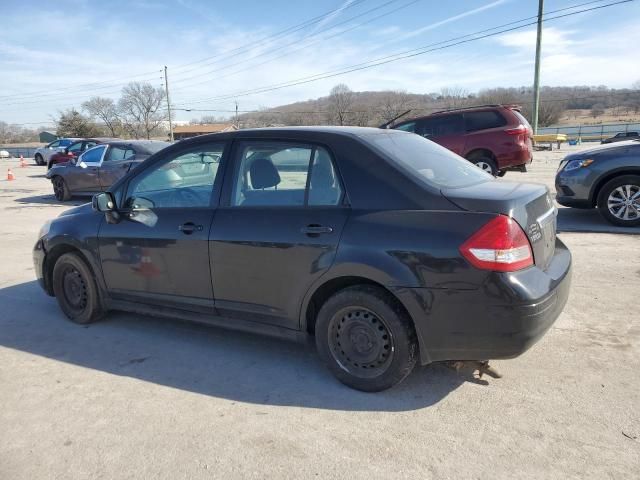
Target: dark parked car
386 247
606 177
98 168
621 137
74 150
496 138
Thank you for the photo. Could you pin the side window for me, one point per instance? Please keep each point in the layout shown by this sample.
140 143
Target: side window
55 144
75 147
425 127
284 174
183 180
118 152
407 127
88 145
93 156
475 121
448 125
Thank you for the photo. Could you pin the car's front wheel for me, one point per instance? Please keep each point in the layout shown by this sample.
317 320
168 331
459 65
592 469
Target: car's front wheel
39 160
365 338
60 189
619 201
76 290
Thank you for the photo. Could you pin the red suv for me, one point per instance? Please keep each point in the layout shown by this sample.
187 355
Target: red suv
496 138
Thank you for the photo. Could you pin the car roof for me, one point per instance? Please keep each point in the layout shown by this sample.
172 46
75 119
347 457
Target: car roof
461 110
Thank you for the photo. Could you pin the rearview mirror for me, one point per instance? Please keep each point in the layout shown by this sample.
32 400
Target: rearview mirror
103 202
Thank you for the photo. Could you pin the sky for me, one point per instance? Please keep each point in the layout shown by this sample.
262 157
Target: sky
55 55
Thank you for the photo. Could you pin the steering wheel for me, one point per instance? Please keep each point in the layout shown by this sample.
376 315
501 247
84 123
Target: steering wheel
188 196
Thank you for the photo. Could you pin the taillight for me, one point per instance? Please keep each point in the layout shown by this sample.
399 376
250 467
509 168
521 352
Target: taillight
519 130
500 245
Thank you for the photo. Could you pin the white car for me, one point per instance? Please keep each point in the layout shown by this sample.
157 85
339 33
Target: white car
43 154
4 154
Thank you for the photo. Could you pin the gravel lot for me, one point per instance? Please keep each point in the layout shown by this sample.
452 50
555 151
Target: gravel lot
137 397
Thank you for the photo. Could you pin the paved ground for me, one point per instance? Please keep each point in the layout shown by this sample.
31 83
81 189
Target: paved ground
134 397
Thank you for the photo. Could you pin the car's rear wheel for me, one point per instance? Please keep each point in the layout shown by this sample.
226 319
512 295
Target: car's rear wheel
619 201
365 338
39 160
486 164
60 189
76 290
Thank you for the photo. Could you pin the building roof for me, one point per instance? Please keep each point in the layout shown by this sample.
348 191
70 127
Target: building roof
206 128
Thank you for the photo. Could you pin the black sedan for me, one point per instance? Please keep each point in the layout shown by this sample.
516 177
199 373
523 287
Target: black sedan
97 168
622 137
387 248
606 177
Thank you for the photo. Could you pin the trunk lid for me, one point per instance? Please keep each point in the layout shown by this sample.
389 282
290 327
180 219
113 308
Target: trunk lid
528 204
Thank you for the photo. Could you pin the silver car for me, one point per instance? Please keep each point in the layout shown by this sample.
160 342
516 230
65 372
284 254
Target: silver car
43 154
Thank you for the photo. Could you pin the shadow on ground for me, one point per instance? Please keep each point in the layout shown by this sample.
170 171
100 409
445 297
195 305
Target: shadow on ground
236 366
588 221
50 199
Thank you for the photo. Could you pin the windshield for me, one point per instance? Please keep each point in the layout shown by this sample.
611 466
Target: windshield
427 161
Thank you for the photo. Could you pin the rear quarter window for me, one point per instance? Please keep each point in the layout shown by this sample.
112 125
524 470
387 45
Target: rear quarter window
475 121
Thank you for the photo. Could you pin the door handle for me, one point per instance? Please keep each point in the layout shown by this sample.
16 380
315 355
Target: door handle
314 230
189 227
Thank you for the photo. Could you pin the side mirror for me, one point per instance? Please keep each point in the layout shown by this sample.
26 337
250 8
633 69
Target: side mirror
103 202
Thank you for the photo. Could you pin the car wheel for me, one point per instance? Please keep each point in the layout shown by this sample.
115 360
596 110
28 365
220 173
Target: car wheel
487 164
366 339
60 189
39 160
76 290
619 201
502 173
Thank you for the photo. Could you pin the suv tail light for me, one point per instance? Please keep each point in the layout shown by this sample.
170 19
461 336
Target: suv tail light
500 245
519 130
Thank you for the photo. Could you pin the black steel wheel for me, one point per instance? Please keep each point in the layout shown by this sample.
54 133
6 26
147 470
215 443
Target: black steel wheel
75 289
366 338
60 189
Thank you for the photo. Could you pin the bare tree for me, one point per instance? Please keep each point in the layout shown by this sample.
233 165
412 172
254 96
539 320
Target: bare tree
393 104
597 110
105 109
340 101
454 97
140 109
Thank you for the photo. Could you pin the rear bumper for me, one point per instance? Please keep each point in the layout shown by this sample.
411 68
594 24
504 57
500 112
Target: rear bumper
515 161
503 319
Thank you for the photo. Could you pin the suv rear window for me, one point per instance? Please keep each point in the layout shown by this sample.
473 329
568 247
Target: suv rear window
427 161
521 118
483 120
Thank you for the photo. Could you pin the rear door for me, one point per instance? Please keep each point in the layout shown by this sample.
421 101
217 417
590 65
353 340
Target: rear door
278 232
446 130
116 164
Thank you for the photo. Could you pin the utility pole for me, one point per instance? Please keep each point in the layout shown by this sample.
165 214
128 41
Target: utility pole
536 78
237 125
166 89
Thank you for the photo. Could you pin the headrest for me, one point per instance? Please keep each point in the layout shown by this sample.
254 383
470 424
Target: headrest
263 174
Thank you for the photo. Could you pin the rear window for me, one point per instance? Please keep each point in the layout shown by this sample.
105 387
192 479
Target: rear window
475 121
521 118
66 143
427 161
153 147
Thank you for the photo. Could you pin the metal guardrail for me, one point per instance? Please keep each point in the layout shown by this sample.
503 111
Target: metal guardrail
15 152
591 132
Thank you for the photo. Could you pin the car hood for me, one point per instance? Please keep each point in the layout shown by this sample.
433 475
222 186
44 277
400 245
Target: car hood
82 209
603 148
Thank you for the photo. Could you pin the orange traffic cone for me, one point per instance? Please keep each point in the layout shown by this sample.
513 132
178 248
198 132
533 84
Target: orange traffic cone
22 162
10 175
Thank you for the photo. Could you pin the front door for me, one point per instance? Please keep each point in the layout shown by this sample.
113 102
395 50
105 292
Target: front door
278 232
84 174
159 253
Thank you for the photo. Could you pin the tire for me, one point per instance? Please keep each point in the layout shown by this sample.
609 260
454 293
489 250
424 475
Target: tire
381 347
502 173
60 189
75 289
619 201
485 163
39 160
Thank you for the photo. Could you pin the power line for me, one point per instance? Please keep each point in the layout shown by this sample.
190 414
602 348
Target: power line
396 57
